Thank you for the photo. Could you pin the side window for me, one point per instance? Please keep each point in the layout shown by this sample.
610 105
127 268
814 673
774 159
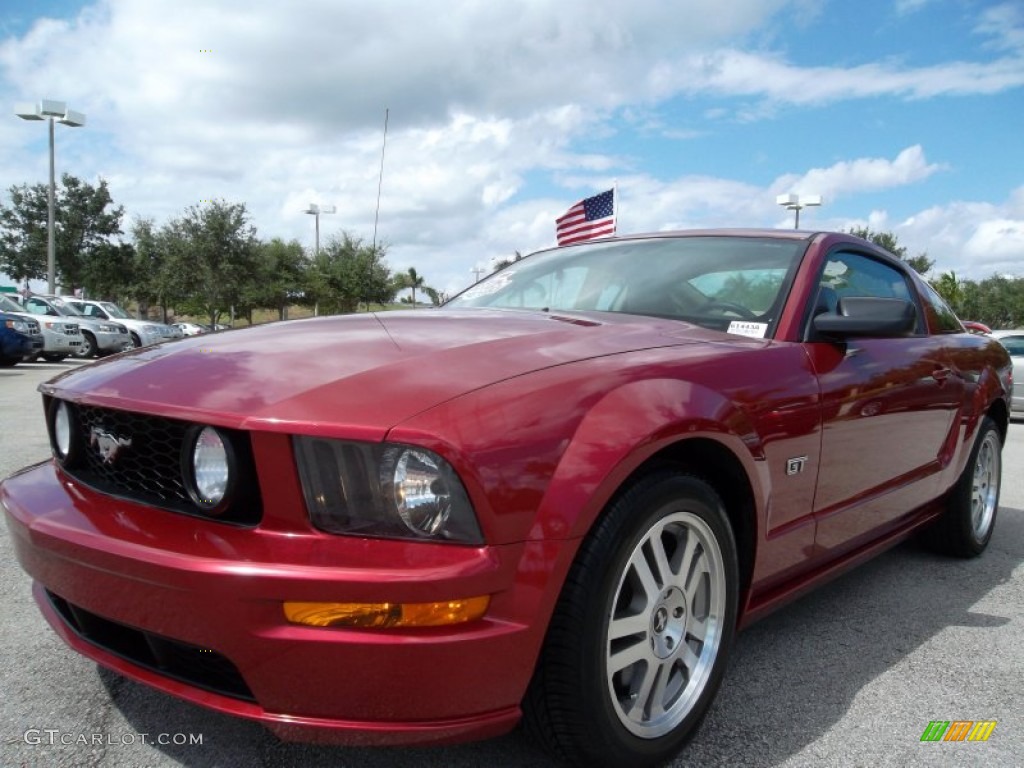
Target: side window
853 274
940 316
38 308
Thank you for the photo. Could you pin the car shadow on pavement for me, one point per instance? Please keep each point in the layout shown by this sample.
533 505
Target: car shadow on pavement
792 680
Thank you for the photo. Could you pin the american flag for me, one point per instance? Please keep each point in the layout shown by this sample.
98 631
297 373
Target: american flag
590 218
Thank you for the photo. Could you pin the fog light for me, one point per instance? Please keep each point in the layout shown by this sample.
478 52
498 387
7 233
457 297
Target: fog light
387 615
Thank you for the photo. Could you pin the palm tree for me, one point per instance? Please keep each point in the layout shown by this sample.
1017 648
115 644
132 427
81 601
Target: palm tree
413 280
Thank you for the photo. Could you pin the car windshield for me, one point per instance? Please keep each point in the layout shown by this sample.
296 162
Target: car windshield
708 281
66 308
115 311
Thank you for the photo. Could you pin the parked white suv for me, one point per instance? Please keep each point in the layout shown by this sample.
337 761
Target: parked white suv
143 332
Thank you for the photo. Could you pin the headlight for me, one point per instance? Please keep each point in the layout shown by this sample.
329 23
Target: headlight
64 437
17 325
104 328
393 491
208 466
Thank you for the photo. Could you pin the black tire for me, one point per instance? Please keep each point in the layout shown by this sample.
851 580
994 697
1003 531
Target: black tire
53 357
7 362
136 341
966 524
681 624
88 346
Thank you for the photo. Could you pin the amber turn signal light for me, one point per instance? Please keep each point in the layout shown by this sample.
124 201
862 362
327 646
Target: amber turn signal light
387 615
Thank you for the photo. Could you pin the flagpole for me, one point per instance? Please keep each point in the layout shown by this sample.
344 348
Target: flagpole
615 203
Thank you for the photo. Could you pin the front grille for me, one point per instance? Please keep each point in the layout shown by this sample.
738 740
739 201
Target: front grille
202 667
70 329
148 464
33 327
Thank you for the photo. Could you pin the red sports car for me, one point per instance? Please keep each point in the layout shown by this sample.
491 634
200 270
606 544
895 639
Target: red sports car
556 498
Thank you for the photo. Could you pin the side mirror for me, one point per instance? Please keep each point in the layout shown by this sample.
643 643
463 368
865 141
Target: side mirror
868 316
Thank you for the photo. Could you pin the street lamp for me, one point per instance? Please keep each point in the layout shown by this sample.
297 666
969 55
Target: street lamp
316 210
794 202
48 109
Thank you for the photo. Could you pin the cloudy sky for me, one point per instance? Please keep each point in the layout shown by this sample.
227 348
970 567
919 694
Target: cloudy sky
905 115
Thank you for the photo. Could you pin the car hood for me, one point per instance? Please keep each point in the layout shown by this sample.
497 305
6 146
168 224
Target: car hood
354 375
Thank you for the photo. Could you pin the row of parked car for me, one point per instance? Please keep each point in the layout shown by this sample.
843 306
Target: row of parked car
54 327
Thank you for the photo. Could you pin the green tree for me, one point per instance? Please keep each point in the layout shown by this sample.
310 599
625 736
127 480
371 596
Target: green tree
890 242
347 273
436 297
502 263
108 270
85 220
996 301
950 288
152 281
282 272
210 256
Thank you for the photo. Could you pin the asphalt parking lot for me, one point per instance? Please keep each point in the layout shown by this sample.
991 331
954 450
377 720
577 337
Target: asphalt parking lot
850 675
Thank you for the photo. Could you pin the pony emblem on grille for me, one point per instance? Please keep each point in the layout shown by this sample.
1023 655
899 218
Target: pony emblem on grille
108 445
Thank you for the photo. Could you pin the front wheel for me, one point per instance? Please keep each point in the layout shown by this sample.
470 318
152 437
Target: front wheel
88 346
639 641
53 357
966 525
136 341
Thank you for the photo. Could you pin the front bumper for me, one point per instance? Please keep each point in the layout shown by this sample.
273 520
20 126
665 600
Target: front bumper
108 341
15 344
61 343
138 576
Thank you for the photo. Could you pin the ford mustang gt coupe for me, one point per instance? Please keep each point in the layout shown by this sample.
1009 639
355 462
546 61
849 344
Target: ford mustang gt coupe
553 500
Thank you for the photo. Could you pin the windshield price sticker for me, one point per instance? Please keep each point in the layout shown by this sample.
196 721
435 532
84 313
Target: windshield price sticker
753 330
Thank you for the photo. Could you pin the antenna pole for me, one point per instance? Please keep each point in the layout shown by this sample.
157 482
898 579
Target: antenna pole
380 179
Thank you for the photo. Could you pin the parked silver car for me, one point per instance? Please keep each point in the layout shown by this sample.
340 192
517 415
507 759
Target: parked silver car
62 336
1014 343
99 337
142 332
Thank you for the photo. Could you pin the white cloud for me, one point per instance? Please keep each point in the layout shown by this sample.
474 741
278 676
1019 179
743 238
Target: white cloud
287 109
861 175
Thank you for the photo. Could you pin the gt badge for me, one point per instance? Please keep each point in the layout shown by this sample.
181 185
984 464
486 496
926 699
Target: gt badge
795 465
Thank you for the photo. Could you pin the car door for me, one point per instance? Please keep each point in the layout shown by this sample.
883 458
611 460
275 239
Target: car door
888 410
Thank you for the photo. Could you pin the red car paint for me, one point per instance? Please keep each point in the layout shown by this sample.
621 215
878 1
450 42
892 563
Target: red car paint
544 416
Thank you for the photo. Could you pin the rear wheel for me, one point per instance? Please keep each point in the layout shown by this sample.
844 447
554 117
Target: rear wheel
639 641
966 525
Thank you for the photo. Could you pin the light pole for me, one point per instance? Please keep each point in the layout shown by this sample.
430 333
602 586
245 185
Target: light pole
793 202
50 110
316 210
